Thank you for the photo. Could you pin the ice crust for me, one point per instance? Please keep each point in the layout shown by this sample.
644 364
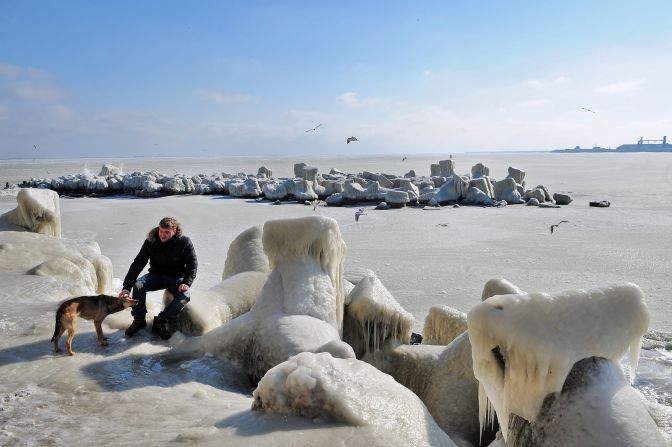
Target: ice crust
37 211
443 324
348 391
540 336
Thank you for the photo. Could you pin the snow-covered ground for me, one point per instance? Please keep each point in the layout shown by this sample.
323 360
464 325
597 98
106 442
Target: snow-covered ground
125 394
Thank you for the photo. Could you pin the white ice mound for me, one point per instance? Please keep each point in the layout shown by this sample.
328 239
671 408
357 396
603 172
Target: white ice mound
76 264
374 317
308 253
246 253
443 324
38 211
500 286
523 346
225 301
347 391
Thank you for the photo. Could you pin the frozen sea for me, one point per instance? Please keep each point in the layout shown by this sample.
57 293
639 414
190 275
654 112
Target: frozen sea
126 394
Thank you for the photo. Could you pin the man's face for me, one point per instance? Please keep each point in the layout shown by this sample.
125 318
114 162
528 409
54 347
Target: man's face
166 233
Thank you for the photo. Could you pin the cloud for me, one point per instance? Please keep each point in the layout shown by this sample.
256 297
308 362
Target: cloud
549 82
10 71
35 92
621 87
219 97
351 100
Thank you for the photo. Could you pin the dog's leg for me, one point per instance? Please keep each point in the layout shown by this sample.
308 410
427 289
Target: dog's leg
99 332
57 336
72 328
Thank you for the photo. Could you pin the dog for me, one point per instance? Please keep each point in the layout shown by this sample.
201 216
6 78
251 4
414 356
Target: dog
94 308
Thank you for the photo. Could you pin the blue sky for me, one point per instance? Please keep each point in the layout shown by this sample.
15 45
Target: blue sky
122 78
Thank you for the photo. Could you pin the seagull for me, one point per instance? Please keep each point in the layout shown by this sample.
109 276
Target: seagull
404 159
359 212
314 128
315 203
35 146
557 225
442 225
351 139
587 110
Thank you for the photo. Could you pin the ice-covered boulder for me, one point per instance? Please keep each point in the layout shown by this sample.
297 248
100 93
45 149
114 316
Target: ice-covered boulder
300 307
507 189
536 193
246 253
499 286
309 173
396 199
275 191
264 172
435 170
525 345
447 168
247 188
442 377
298 169
562 199
74 266
354 192
597 407
95 184
443 325
475 196
209 309
453 190
37 211
479 170
174 185
518 175
303 190
374 318
108 170
347 391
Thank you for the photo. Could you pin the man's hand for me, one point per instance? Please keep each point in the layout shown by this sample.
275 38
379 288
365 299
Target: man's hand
182 288
124 293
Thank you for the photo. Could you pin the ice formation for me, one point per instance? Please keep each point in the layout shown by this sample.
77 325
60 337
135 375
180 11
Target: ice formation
499 286
524 345
220 304
348 391
246 253
37 211
308 254
374 317
442 325
300 307
443 378
76 263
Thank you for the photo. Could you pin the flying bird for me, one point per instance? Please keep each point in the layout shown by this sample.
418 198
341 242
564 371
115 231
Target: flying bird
359 212
35 146
350 139
314 128
587 110
557 225
404 159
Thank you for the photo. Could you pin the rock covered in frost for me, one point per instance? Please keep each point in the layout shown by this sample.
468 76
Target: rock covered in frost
453 190
37 211
507 190
562 199
443 325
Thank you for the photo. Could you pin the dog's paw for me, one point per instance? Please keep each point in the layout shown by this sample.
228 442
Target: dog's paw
71 353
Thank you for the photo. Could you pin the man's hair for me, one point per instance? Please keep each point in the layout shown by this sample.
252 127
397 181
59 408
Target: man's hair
172 223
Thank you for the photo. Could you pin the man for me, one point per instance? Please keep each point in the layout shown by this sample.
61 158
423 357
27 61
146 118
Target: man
172 266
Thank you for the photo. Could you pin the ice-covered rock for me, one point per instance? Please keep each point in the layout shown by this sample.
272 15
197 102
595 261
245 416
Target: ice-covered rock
507 190
453 190
518 175
447 168
374 318
246 253
525 345
475 196
37 211
174 185
443 325
536 193
479 170
275 191
396 199
263 171
562 199
298 169
248 188
108 170
499 286
435 170
77 265
347 391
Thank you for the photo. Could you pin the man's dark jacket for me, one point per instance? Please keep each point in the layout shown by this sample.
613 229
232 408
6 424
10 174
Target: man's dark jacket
175 258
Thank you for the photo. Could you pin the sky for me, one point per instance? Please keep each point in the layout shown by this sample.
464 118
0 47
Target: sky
215 78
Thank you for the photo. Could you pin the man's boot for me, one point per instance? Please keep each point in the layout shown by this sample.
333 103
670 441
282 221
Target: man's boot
160 328
138 323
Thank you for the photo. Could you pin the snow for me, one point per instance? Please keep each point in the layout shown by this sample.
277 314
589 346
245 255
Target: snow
540 336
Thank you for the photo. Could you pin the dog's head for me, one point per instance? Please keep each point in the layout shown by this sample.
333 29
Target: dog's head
119 304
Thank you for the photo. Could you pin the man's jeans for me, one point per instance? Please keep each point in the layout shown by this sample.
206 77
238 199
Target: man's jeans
151 282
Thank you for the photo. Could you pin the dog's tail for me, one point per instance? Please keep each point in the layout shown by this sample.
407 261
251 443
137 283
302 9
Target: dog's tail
59 325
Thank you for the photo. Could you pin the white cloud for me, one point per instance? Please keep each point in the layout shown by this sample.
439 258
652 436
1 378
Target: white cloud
36 92
351 100
10 71
219 97
621 87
